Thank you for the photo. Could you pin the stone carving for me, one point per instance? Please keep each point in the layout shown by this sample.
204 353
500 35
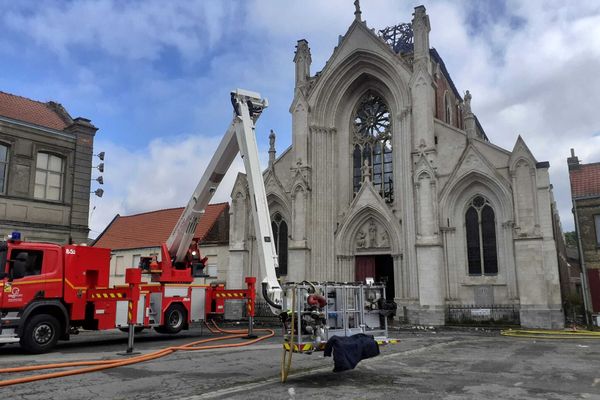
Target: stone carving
385 240
361 240
467 102
357 12
365 170
371 236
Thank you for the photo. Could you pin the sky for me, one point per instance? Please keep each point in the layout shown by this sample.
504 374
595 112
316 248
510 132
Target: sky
155 76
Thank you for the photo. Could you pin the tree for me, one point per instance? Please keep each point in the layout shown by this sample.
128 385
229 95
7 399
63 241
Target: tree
571 239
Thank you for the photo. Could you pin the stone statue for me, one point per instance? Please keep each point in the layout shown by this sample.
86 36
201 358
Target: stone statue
361 240
385 240
467 104
272 139
366 171
372 234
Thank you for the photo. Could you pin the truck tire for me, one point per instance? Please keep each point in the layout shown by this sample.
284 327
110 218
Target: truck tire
40 334
174 319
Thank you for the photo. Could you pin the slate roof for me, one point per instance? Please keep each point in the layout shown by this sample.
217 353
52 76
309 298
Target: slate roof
50 115
151 229
585 180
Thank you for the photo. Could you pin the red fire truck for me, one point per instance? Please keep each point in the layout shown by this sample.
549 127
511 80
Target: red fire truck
48 291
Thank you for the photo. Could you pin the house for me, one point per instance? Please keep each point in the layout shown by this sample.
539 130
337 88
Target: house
140 235
585 193
45 171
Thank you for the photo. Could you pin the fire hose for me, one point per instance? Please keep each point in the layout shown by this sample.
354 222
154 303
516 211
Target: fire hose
99 365
551 334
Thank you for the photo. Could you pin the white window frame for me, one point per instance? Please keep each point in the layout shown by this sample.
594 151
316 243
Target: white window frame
43 172
6 164
212 270
597 226
119 265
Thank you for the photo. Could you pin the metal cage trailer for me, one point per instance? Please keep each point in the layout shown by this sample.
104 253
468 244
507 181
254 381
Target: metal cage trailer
315 312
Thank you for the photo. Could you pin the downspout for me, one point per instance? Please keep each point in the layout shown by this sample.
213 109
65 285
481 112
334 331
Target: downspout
584 279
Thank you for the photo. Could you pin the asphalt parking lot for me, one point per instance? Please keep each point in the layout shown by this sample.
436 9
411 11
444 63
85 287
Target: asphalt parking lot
443 364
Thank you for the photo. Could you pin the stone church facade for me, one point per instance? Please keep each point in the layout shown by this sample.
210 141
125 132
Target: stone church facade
391 176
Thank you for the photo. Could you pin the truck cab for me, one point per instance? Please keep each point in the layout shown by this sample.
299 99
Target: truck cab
31 284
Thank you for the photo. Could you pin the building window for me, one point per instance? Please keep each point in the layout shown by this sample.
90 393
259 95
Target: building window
120 266
372 145
3 167
135 260
212 270
280 235
49 177
480 224
447 108
597 223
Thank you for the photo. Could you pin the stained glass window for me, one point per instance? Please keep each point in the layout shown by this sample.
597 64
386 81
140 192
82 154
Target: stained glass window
280 235
480 224
372 142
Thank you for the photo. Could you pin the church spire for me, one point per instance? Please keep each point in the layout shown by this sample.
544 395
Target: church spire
357 12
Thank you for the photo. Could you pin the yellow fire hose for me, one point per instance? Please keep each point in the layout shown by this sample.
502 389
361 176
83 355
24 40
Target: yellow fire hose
551 334
286 357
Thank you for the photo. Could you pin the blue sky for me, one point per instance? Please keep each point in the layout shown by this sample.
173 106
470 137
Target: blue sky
155 77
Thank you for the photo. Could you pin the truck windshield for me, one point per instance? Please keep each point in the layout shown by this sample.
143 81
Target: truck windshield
3 251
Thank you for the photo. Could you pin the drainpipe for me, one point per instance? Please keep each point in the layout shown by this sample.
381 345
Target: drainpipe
584 280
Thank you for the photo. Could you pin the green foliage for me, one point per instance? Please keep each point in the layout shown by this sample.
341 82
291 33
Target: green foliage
571 239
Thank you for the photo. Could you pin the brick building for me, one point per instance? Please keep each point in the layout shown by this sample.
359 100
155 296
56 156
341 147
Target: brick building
141 235
45 170
585 192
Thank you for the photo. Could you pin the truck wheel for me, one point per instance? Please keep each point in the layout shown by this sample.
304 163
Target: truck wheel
174 319
40 334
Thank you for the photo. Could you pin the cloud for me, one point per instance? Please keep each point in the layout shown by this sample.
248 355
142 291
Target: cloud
148 72
128 30
163 174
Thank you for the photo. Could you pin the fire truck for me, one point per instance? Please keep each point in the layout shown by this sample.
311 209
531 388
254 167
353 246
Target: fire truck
49 291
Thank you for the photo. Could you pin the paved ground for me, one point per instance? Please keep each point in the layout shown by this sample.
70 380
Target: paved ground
425 365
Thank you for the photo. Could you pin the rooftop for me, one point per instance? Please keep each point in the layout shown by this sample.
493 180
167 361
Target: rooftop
151 229
585 180
49 115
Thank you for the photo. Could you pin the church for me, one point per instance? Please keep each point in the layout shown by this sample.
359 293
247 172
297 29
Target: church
391 176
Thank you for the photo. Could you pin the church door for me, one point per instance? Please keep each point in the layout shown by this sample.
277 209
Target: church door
380 268
384 267
365 268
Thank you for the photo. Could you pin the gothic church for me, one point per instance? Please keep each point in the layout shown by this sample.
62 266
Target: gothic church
391 176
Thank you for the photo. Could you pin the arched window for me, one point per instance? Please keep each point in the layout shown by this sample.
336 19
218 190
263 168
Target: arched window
280 235
372 142
447 108
3 167
480 224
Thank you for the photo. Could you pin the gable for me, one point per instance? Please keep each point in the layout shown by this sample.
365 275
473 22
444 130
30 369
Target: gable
473 161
